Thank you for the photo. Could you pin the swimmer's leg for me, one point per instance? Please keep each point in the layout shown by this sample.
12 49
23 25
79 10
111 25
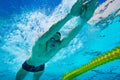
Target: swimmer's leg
21 74
37 75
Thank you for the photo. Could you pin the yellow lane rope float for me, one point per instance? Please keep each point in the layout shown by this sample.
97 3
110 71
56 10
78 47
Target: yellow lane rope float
100 60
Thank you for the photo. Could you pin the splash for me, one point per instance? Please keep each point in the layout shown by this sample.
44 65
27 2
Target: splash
105 10
29 24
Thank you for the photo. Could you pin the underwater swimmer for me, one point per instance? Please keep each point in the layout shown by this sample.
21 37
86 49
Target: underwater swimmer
50 43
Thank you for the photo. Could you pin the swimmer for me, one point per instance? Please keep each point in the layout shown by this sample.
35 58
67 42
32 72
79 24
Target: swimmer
50 42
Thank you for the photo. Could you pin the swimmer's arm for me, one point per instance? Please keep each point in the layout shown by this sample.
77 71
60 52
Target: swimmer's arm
85 17
76 10
53 29
72 34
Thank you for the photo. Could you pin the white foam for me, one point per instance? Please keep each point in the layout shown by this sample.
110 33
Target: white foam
104 10
41 23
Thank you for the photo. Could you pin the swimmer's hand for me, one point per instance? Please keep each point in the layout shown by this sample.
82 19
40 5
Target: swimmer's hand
88 10
76 8
83 8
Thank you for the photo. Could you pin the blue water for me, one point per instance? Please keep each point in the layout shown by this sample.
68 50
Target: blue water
23 21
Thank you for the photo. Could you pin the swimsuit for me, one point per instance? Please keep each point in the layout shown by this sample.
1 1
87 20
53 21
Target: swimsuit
32 68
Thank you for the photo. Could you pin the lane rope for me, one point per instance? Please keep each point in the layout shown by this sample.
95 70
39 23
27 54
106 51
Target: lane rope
100 60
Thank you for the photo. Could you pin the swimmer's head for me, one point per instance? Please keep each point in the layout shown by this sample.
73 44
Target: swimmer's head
54 40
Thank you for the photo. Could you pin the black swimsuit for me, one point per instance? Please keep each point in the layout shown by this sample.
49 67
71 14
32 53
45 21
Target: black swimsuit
32 68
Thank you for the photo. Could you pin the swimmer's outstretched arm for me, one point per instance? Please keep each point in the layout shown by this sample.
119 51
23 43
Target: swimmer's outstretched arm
53 29
75 11
86 14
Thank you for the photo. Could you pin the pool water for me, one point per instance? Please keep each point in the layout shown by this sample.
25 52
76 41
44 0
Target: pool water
22 22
